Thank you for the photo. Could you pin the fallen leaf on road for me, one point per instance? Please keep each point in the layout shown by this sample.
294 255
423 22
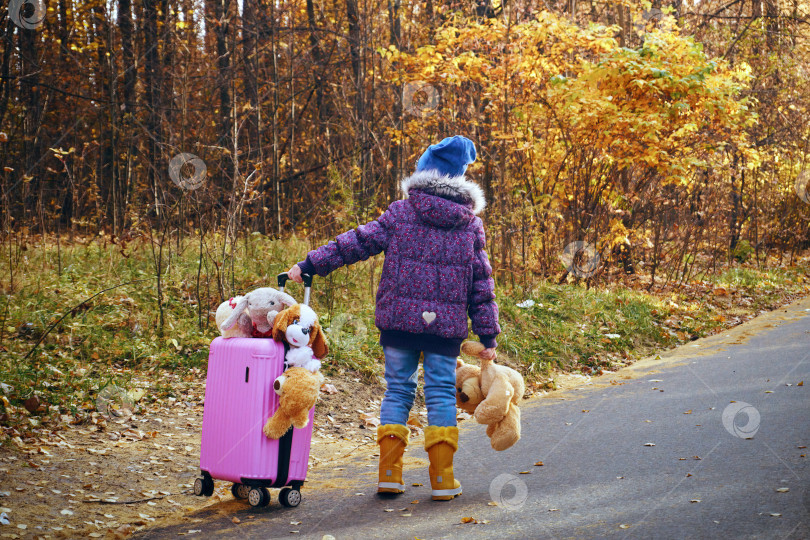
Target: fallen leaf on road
236 520
800 384
688 412
776 514
649 444
370 420
538 464
694 500
389 510
525 472
407 514
782 490
124 530
468 520
624 526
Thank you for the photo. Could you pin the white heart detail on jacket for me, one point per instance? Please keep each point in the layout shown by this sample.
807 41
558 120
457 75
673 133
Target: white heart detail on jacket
429 316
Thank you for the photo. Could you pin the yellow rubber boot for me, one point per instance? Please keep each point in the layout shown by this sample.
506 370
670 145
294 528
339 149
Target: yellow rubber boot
392 438
441 442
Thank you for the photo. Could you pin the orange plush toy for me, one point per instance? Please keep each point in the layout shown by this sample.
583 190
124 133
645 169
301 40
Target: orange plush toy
491 393
298 391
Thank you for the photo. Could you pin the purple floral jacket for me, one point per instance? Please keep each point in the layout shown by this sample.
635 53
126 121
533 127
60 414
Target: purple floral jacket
436 271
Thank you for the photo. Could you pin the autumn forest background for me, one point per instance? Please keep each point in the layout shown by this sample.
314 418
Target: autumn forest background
158 157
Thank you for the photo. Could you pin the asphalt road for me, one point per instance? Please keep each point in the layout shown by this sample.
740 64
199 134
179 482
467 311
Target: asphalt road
706 442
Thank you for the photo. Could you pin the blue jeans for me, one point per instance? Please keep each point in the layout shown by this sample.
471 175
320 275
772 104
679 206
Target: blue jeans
440 387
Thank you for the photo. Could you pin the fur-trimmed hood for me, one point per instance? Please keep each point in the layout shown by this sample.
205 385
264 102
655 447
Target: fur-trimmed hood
455 188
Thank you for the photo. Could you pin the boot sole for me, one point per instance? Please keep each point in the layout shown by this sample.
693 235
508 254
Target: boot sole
449 497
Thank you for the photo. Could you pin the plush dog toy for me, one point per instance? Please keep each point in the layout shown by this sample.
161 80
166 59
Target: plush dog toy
255 312
491 393
298 326
298 391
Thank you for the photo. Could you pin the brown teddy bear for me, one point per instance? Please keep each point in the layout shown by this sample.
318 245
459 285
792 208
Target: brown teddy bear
491 393
298 391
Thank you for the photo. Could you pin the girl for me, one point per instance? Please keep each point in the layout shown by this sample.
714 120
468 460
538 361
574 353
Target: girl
435 273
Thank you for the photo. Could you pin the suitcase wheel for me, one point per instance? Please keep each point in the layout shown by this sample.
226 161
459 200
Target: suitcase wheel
258 497
204 487
240 491
289 497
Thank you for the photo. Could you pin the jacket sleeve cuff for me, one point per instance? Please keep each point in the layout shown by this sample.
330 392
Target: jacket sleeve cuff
489 341
307 267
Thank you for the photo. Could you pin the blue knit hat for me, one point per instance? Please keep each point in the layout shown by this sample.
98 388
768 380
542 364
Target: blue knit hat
449 157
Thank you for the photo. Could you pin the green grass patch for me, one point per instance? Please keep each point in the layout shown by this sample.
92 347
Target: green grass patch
115 338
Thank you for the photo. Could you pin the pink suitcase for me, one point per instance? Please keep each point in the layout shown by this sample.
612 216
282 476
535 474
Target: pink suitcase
239 398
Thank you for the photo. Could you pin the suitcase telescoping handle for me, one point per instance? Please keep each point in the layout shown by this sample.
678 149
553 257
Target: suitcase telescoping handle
282 282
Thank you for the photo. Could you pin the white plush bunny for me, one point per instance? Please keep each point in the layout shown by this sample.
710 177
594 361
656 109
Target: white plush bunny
254 313
223 312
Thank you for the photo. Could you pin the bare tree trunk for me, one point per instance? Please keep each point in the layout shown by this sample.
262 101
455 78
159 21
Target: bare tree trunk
319 71
395 152
105 86
353 16
250 66
124 175
222 12
29 79
5 80
276 105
